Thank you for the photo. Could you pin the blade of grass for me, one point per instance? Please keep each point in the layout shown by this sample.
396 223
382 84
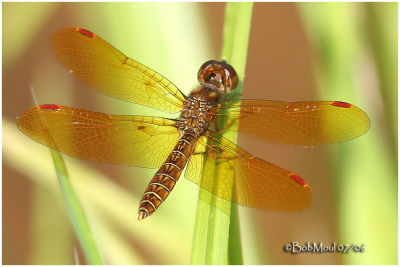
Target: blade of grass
76 213
216 236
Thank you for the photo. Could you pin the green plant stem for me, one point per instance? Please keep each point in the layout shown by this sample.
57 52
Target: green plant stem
217 236
76 213
235 255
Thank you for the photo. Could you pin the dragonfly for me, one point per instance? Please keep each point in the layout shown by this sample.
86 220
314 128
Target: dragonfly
192 143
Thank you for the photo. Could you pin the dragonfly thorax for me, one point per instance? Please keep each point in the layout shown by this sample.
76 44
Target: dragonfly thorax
199 111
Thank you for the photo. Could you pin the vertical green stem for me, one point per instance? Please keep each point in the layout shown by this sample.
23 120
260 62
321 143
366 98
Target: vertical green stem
216 236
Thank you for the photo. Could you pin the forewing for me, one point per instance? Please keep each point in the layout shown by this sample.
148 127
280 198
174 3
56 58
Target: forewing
231 173
298 123
102 67
127 140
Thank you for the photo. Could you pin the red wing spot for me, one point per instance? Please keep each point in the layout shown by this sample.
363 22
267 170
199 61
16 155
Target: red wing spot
341 104
85 32
298 180
51 107
140 127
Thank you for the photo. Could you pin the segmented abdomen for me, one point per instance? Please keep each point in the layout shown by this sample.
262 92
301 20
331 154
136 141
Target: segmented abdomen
166 177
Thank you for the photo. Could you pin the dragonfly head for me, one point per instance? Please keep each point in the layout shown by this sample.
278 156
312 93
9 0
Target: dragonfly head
218 75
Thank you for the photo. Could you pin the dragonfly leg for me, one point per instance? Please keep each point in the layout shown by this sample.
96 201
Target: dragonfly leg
211 150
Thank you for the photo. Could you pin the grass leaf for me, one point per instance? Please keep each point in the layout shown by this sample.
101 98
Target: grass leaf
76 213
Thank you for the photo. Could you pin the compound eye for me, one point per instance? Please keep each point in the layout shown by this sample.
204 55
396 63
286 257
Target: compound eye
218 75
231 76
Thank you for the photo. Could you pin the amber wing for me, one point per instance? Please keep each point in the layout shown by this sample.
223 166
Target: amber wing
127 140
298 123
231 173
101 66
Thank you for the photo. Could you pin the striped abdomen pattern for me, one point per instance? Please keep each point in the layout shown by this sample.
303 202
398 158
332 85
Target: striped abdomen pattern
166 177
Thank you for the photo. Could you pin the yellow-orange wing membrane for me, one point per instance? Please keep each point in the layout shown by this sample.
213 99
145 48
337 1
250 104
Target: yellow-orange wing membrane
102 67
221 166
127 140
298 123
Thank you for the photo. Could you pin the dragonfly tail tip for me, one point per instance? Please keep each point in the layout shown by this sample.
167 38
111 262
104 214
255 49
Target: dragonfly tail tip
142 215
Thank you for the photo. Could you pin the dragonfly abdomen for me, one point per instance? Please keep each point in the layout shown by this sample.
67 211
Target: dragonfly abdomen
166 177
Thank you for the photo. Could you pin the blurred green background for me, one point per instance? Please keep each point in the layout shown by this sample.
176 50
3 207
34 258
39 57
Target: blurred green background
302 51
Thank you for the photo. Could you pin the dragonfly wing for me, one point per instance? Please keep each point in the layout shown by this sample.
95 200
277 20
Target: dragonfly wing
298 123
126 140
233 174
102 67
